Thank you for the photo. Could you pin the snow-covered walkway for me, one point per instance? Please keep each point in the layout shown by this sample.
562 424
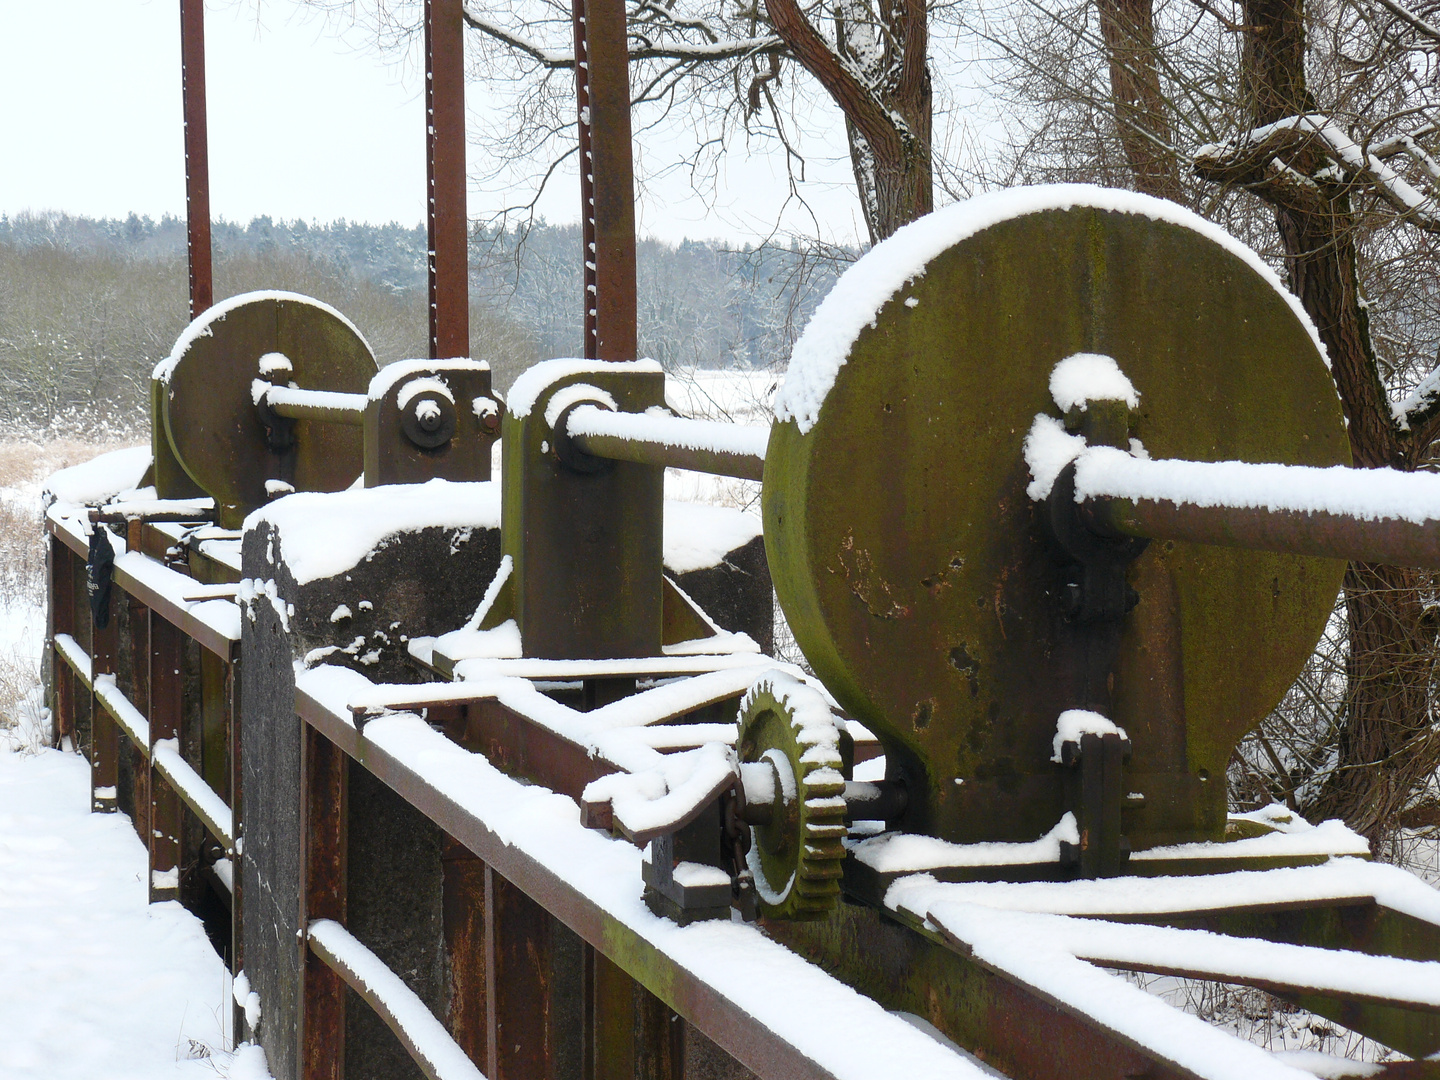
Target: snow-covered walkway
95 983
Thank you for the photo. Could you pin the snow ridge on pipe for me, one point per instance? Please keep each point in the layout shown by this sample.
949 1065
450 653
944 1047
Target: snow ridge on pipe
1367 494
666 430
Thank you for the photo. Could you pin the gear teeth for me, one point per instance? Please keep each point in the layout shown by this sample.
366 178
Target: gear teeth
780 713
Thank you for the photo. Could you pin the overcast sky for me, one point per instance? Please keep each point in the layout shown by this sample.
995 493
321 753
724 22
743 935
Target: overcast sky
307 120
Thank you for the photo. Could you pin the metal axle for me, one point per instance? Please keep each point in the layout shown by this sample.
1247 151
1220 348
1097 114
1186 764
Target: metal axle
671 441
323 405
1320 533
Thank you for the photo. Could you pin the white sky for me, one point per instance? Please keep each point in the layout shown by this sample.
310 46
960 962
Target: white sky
307 120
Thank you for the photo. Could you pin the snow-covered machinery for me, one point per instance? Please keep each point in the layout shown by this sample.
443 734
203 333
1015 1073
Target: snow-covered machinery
273 392
1055 503
501 777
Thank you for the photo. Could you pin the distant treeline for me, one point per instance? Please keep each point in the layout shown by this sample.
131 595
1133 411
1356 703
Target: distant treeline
88 306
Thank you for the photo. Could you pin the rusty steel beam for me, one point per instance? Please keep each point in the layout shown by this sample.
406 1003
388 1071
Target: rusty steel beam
402 1011
104 731
446 223
206 636
464 918
197 155
1334 536
607 179
519 950
720 1017
324 814
61 626
237 815
907 967
587 177
519 746
166 657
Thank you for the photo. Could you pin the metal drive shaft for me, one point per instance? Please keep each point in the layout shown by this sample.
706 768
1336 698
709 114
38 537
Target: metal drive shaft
1372 515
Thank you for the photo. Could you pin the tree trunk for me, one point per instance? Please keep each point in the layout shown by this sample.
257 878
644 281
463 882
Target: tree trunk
877 73
897 189
1386 748
1141 112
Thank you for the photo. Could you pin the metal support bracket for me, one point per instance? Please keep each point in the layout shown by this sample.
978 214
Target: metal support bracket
1096 794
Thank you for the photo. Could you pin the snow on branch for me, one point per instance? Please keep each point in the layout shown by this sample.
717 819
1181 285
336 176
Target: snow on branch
682 51
519 42
1420 404
1252 158
1410 146
1421 26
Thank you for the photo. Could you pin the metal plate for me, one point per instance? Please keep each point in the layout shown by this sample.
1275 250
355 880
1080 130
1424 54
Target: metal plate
915 570
210 416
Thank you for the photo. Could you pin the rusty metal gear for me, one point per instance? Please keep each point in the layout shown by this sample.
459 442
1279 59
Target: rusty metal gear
789 750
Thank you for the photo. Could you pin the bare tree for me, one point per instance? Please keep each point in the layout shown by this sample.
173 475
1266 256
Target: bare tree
1326 163
724 71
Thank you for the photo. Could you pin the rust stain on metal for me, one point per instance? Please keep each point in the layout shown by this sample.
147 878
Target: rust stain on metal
872 590
197 155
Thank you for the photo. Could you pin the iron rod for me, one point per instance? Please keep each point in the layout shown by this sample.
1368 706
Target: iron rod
671 441
197 155
447 225
329 406
717 462
1318 533
884 800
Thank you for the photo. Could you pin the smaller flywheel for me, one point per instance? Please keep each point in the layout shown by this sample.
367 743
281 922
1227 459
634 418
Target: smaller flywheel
789 750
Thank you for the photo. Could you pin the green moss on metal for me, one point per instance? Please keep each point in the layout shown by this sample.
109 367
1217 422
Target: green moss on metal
586 547
916 573
640 960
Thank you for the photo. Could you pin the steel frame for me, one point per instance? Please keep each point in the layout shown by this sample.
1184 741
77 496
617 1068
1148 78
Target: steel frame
121 690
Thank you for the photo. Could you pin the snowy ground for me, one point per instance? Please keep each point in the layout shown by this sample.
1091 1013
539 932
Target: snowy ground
94 981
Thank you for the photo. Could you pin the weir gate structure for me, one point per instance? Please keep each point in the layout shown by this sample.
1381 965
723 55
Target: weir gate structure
476 777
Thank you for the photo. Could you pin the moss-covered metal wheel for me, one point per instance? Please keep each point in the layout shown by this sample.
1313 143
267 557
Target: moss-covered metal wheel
917 572
789 748
205 398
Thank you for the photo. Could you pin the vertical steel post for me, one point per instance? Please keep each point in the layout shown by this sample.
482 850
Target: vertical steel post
104 732
517 982
237 813
446 223
60 619
167 706
324 838
607 181
464 906
197 154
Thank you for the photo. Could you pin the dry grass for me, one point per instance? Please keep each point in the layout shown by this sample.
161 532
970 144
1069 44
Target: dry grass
24 466
1261 1018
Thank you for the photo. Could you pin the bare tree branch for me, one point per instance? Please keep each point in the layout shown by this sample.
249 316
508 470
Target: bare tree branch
700 52
1409 18
1304 139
